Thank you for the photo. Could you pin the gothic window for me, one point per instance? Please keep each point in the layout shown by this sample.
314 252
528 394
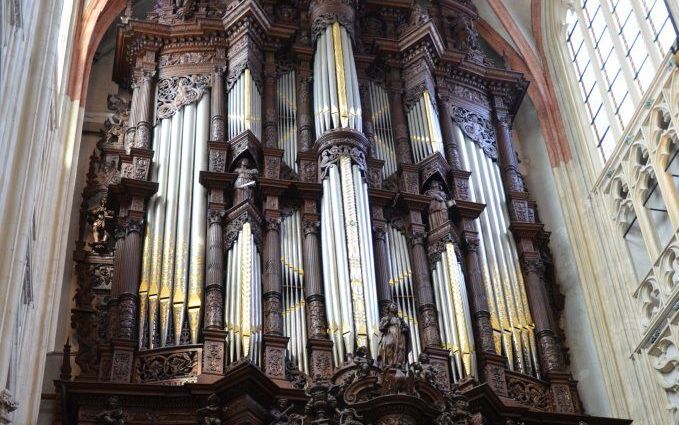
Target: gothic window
615 47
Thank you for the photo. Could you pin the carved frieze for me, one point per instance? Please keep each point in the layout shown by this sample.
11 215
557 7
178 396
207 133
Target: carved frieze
479 129
179 366
176 92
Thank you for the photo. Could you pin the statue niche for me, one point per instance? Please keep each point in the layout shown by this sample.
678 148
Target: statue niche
100 235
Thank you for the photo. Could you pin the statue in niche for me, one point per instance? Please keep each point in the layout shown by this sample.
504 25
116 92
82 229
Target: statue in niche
394 344
211 414
279 413
245 182
113 415
100 235
438 205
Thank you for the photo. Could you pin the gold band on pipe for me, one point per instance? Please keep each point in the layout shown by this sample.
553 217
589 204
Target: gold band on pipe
246 288
339 70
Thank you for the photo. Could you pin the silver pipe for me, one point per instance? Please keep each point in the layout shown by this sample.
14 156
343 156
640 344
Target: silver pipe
333 88
322 46
329 274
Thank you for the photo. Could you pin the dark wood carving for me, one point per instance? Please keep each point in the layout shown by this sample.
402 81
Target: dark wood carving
183 49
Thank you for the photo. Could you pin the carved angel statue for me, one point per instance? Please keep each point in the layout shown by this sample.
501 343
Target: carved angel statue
394 344
113 415
98 217
245 181
213 413
279 413
438 206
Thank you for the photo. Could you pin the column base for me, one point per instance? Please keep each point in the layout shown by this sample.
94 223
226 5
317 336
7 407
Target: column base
564 392
274 348
121 362
492 371
214 348
439 359
321 359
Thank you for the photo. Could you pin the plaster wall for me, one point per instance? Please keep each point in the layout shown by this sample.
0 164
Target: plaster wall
575 321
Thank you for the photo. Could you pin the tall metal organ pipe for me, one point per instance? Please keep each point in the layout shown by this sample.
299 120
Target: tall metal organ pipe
174 246
510 316
294 310
346 235
287 118
425 130
384 139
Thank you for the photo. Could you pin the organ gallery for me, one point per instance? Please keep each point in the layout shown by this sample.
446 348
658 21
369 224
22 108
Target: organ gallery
311 212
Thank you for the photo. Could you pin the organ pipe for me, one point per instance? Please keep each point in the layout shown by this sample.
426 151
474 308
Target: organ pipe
244 106
454 316
294 310
384 140
510 317
425 131
400 281
337 102
287 118
174 250
349 279
243 290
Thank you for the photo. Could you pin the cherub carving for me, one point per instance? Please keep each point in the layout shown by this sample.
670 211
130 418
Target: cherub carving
279 413
98 217
113 415
213 413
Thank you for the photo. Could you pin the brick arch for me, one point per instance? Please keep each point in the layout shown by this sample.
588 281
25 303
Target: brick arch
95 19
530 63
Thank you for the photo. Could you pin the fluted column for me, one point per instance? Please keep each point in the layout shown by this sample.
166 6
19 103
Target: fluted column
426 308
270 112
450 147
384 297
144 114
217 119
305 127
398 118
319 345
214 276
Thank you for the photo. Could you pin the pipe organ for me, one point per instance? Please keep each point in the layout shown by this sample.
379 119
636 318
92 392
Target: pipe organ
171 287
287 118
425 132
270 239
502 278
384 139
294 311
